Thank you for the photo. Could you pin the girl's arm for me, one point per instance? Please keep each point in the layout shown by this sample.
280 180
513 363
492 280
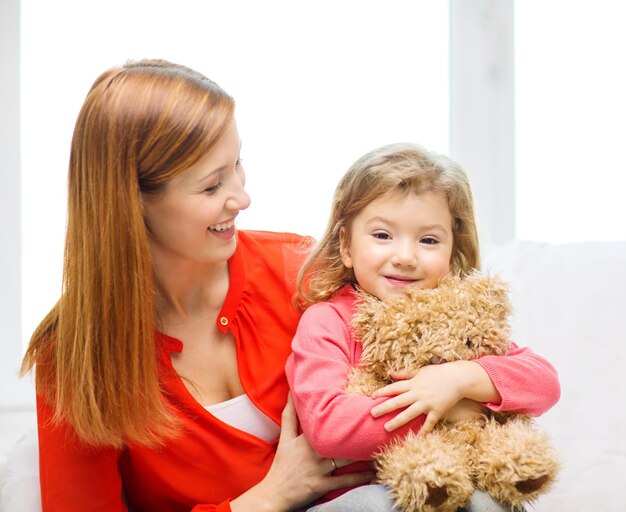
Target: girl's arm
520 381
526 382
337 424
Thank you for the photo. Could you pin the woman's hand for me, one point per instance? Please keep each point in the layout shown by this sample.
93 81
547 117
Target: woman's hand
435 390
298 474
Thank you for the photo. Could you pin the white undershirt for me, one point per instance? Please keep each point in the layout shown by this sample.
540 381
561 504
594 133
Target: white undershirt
241 413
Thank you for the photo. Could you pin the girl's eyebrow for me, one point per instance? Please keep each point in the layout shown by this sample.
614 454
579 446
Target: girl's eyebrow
378 218
429 227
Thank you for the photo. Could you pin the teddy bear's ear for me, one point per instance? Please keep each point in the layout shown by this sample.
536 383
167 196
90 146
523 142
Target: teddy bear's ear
491 288
491 299
498 293
367 316
451 283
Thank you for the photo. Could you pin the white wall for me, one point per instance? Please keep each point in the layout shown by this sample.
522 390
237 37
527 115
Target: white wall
482 136
316 83
570 112
13 392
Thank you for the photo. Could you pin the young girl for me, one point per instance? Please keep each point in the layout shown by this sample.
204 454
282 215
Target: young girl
401 217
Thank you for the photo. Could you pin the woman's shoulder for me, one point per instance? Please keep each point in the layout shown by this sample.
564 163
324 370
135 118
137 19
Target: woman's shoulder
275 248
274 238
267 263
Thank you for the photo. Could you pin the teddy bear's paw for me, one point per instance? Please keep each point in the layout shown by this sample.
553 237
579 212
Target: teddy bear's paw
416 497
425 474
517 493
532 485
437 496
516 463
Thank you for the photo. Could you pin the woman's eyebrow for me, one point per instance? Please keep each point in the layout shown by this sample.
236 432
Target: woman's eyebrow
209 174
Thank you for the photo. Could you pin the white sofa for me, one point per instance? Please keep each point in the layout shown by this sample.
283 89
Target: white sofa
570 306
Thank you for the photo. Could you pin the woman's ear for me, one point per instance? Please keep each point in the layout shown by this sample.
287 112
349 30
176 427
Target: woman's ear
344 249
144 206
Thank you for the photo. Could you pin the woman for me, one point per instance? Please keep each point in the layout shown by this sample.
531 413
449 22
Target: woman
167 310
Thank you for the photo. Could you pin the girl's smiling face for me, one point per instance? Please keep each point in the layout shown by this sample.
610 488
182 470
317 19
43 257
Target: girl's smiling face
193 219
399 240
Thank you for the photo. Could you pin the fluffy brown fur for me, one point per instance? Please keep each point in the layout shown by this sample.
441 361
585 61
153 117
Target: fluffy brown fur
503 454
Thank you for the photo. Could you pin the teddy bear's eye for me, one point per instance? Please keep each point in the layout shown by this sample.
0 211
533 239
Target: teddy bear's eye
468 342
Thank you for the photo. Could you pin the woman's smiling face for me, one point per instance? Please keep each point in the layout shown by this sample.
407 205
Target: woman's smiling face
193 218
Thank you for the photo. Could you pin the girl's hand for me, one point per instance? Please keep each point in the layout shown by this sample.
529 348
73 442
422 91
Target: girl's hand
298 474
435 390
431 390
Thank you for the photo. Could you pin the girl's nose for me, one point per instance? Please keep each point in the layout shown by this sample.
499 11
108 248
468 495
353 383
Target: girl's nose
405 256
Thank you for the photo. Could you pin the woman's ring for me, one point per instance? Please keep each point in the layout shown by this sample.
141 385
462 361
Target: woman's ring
332 461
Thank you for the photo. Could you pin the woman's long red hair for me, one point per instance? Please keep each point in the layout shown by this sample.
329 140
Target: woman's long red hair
95 353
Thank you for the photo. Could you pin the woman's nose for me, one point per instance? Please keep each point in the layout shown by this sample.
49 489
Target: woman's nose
239 198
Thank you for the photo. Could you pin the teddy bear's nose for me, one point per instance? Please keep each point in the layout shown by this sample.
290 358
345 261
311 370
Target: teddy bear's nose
437 360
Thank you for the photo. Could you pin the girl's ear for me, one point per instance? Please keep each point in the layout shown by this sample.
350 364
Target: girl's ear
344 250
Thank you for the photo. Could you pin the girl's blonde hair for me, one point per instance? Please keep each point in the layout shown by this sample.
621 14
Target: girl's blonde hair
398 168
97 362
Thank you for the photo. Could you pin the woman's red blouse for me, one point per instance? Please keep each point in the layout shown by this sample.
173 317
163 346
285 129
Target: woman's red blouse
211 462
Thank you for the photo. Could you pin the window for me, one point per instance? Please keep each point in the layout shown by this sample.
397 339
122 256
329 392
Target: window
316 83
319 83
570 111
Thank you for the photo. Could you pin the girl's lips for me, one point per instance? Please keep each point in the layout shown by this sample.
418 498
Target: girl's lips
400 281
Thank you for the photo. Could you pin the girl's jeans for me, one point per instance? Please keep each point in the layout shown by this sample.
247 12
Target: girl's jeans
375 498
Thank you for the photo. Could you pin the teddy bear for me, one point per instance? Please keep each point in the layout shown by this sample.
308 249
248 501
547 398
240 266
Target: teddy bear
504 454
